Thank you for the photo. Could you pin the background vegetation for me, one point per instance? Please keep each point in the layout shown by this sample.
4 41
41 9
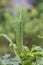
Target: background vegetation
32 25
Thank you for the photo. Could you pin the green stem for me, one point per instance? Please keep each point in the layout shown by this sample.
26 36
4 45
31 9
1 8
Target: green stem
19 34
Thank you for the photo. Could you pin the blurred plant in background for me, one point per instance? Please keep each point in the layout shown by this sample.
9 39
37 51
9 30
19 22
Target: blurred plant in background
33 23
32 31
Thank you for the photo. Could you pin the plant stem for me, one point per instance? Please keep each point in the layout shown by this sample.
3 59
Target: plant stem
19 34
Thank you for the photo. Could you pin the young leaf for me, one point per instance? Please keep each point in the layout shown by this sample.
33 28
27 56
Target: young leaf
19 34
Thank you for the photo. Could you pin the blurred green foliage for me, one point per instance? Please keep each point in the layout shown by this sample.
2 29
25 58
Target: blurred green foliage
33 24
3 2
33 32
33 56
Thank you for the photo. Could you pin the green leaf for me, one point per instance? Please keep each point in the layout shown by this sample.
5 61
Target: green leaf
19 34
